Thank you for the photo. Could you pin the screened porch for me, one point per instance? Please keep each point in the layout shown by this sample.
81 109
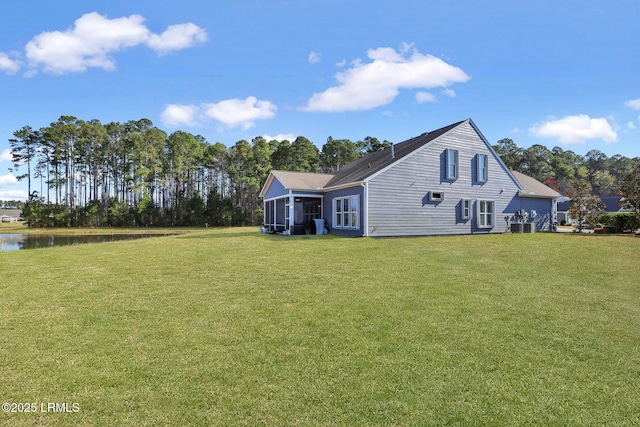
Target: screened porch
292 214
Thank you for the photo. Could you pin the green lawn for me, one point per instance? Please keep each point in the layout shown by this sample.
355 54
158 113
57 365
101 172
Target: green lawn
233 327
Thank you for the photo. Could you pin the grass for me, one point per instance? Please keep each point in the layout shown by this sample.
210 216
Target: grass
232 327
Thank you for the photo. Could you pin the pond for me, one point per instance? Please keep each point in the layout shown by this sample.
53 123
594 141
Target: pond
14 242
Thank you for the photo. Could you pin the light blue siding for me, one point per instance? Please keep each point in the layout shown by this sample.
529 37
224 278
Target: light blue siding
399 198
543 208
327 209
276 189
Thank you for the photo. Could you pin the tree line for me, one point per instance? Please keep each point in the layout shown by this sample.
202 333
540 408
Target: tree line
560 168
86 173
584 179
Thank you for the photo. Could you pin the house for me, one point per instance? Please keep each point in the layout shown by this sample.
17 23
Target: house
448 181
10 215
612 204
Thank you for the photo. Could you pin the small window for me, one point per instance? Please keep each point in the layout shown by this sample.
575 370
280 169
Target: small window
486 213
452 164
465 206
436 196
483 168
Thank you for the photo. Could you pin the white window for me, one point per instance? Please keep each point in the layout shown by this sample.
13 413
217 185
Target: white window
483 168
486 213
465 206
346 212
452 164
436 196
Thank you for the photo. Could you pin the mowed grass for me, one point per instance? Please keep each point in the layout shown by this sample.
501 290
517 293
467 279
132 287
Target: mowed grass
233 327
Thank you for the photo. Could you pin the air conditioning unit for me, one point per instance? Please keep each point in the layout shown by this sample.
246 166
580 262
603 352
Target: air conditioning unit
523 227
517 227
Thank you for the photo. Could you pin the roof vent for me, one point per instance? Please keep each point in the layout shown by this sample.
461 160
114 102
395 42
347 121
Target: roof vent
393 153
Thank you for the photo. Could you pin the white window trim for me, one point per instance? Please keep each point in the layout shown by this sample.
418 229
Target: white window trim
481 215
479 177
466 210
456 162
335 212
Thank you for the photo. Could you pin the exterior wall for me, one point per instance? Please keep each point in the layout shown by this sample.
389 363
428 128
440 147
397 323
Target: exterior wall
327 209
276 189
398 198
543 207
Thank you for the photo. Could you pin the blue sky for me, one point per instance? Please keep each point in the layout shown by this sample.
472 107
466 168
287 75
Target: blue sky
562 73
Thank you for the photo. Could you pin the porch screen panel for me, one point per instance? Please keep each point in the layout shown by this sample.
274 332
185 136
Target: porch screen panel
280 211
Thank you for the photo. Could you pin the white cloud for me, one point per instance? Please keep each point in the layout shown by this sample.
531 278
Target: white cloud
7 180
5 156
8 65
240 112
231 112
341 63
425 97
633 104
631 125
281 137
365 86
315 57
177 37
94 37
449 92
13 195
575 129
175 115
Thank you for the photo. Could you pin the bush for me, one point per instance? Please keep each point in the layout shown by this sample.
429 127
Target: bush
623 222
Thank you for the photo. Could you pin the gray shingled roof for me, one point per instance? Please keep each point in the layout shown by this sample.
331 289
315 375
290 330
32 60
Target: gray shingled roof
14 213
534 188
302 180
371 163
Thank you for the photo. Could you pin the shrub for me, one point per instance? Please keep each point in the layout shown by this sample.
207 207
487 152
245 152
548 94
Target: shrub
622 221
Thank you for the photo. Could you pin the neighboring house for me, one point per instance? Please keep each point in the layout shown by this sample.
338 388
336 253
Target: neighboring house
10 215
611 205
449 181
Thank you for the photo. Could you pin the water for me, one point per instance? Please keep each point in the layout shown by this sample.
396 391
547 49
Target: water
14 242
